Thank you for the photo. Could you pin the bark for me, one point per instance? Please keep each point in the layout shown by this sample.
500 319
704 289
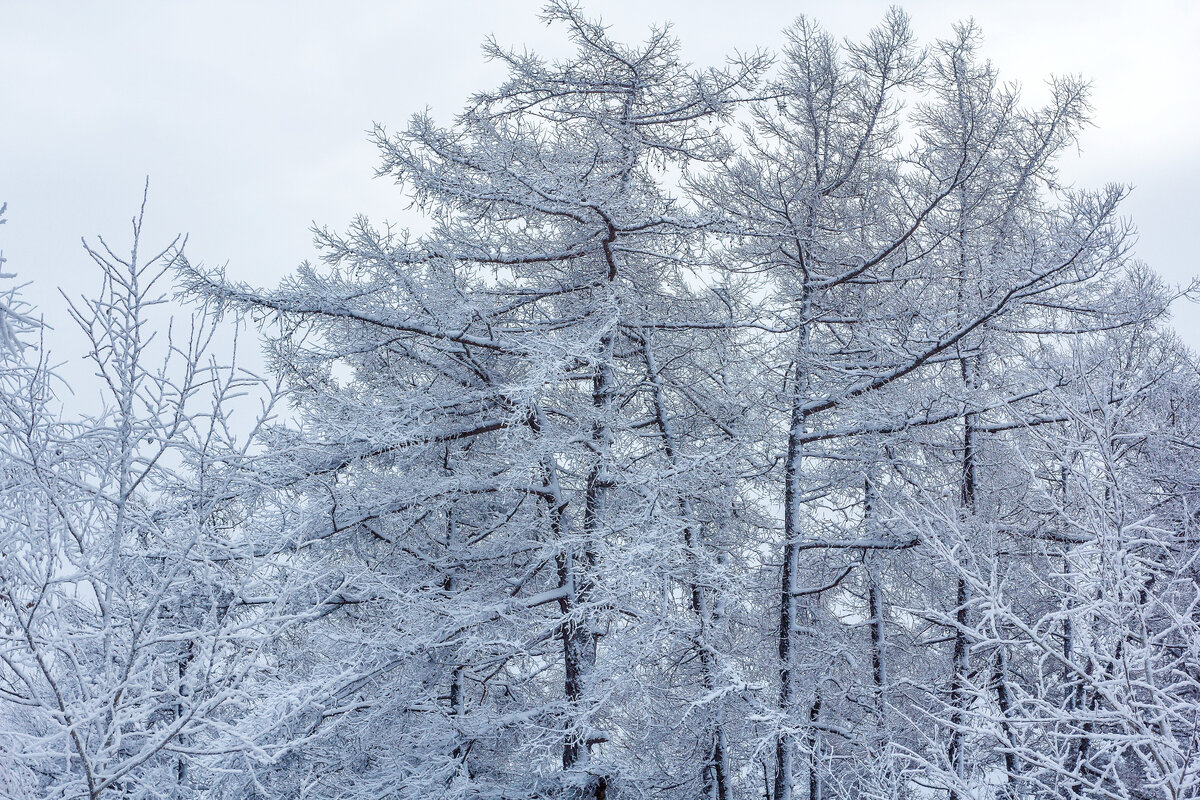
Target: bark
961 654
958 679
878 643
575 570
789 583
875 610
715 770
577 636
1004 701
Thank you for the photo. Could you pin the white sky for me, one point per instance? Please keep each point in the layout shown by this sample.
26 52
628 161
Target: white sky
250 117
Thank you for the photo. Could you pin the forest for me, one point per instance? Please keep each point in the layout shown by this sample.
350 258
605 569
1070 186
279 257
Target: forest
780 430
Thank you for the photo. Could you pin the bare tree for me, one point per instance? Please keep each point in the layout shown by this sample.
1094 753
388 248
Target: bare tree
125 639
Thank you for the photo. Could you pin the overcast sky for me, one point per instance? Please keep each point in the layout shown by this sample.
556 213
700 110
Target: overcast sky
250 117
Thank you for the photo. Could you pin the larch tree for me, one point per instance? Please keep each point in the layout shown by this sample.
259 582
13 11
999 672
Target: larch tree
889 259
528 503
784 430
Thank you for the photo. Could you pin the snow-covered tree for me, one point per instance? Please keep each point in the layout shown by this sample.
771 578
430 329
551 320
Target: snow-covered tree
781 430
130 618
888 259
535 504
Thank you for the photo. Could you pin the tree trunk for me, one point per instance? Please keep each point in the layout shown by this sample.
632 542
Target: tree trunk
789 579
715 770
